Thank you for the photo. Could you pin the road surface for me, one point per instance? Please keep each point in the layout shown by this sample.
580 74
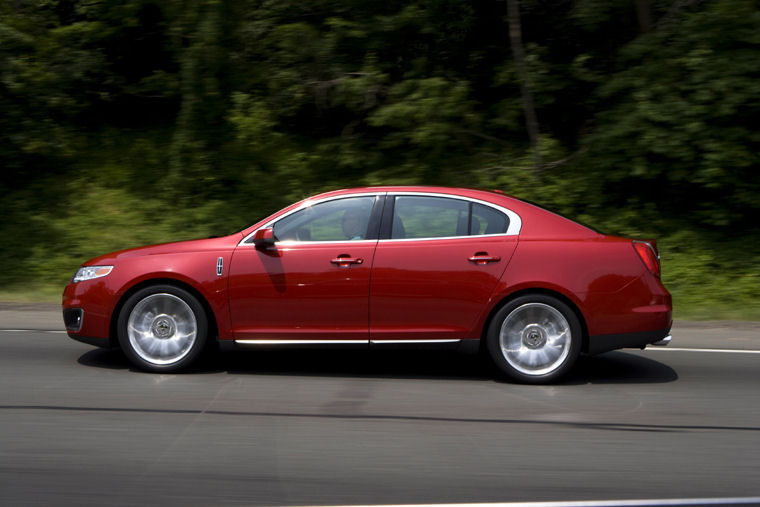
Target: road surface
78 426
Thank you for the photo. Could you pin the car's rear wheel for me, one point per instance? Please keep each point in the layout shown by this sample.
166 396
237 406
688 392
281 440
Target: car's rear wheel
534 338
162 328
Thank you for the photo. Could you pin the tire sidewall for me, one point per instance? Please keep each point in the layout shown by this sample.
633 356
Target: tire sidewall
201 333
494 347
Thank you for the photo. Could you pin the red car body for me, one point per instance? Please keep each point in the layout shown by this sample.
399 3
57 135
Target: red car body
384 289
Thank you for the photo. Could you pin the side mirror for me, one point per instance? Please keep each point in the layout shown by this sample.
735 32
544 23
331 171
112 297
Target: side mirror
263 237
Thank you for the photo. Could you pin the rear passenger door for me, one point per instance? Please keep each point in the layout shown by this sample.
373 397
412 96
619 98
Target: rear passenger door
438 260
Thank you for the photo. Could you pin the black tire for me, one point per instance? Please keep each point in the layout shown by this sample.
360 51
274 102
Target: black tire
162 328
534 339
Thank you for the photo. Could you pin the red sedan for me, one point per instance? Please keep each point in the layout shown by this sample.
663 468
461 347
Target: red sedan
378 266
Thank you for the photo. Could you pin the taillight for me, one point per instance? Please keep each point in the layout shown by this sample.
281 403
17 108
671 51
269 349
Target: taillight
648 256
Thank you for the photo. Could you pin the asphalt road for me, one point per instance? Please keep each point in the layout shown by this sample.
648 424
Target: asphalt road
79 427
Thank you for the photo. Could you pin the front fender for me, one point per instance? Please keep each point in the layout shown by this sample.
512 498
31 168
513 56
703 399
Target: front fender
103 296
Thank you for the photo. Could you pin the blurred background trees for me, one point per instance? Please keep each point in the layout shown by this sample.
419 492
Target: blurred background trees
138 121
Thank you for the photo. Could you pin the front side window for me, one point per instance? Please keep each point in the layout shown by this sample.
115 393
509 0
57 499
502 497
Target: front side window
336 220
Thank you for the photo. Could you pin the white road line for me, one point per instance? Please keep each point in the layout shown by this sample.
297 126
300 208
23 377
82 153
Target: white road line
725 351
595 503
29 331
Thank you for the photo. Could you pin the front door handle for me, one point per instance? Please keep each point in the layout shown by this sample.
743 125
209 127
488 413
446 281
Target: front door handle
345 260
483 258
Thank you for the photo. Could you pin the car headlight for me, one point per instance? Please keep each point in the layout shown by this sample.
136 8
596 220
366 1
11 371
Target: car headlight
90 272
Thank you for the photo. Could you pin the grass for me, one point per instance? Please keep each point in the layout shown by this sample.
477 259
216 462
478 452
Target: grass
51 226
706 282
712 277
32 294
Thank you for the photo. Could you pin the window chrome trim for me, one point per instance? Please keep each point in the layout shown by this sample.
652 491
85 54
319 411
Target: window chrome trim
515 222
291 242
473 236
307 204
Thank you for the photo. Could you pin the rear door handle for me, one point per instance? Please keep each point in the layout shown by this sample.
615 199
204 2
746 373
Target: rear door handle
483 258
345 260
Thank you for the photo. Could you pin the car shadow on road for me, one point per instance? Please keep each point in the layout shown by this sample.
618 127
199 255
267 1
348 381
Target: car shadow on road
619 367
109 359
611 368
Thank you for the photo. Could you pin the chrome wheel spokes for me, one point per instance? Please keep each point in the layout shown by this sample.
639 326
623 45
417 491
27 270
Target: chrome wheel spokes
162 328
535 338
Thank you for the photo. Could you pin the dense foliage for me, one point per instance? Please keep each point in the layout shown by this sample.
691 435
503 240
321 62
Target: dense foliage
123 123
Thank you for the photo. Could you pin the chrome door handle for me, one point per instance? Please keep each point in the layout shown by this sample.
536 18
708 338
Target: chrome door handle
483 258
345 260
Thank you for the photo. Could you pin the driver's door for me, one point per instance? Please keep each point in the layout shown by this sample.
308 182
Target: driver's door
312 285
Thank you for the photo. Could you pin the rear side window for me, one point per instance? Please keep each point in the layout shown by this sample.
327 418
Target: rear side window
418 217
486 220
429 217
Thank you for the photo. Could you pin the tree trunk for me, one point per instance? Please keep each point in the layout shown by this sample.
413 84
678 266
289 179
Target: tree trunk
644 13
518 53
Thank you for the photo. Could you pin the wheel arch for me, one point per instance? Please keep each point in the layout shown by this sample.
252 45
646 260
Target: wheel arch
542 291
213 327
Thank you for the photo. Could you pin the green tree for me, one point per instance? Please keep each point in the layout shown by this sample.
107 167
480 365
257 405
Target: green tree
676 123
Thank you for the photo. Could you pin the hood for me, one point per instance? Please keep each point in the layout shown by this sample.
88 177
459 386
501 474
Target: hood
196 245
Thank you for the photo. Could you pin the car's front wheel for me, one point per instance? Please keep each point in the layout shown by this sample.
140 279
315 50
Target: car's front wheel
162 328
534 339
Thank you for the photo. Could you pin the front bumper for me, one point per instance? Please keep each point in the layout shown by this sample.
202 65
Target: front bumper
73 318
86 311
92 340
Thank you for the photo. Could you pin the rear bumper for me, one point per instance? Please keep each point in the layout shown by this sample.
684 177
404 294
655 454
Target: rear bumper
605 343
